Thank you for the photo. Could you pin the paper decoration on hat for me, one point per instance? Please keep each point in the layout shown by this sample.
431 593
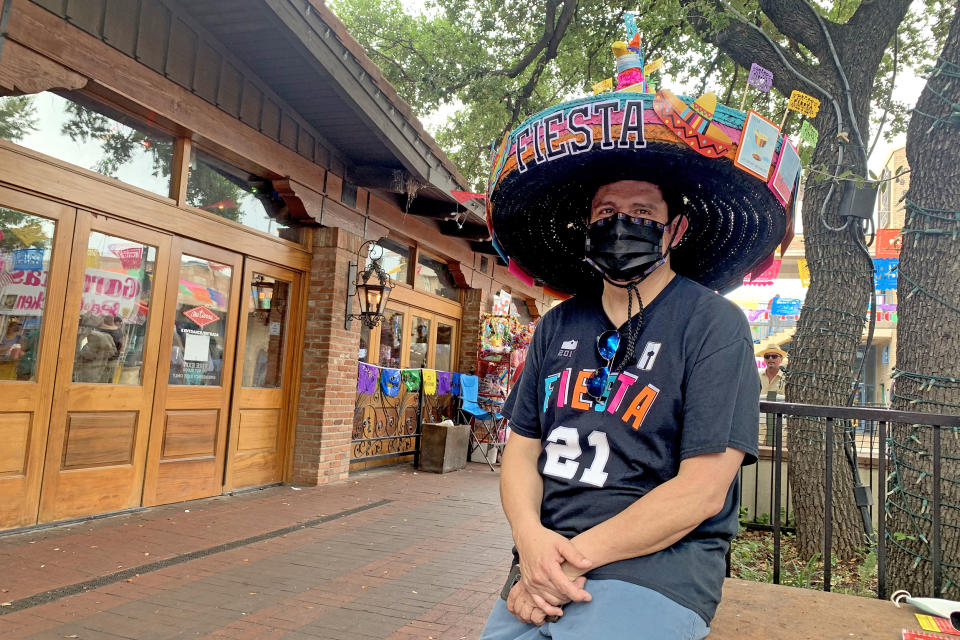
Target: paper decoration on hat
760 78
693 123
764 274
785 174
808 133
757 144
465 196
652 67
629 60
889 242
518 271
630 24
603 86
803 103
804 270
791 209
885 273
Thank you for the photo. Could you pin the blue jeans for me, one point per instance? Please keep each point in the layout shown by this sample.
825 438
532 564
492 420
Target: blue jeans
619 611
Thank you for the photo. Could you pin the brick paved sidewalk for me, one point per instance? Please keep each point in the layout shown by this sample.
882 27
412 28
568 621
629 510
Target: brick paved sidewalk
387 554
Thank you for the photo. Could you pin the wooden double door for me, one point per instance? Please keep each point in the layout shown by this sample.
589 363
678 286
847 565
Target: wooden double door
136 367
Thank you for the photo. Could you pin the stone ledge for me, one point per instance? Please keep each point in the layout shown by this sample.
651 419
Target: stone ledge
760 611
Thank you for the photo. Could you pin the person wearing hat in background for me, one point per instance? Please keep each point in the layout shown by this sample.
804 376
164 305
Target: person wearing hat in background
638 400
771 378
771 386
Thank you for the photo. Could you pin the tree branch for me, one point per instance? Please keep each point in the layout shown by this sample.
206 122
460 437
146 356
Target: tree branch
796 20
745 44
553 32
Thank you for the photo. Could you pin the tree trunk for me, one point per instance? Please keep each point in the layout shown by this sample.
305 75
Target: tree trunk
831 322
824 346
928 339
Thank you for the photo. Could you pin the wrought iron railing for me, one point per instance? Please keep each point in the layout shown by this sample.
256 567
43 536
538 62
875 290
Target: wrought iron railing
845 424
385 427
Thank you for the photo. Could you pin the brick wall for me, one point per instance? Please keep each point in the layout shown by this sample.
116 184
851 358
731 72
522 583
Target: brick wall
329 381
474 301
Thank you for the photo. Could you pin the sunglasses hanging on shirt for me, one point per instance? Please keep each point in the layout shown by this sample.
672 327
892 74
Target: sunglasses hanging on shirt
608 343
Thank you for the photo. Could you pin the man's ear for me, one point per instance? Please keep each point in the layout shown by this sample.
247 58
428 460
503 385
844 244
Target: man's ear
679 228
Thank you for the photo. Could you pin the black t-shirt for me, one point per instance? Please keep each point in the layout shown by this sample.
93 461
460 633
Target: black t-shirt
690 389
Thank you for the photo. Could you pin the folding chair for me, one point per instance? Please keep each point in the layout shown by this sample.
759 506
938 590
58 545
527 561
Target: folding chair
489 424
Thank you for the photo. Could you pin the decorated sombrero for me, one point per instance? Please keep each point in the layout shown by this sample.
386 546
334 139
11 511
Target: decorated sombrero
545 172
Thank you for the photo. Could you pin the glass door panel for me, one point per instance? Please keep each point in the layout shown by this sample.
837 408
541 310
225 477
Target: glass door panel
419 342
199 330
187 456
267 306
443 352
391 339
117 284
105 383
35 242
263 399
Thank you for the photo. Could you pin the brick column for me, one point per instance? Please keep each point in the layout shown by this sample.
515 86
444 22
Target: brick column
329 382
474 301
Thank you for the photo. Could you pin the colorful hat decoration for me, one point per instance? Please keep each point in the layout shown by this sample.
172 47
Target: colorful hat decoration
693 122
545 172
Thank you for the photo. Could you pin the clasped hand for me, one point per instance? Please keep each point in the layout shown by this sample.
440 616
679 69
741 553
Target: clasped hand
550 568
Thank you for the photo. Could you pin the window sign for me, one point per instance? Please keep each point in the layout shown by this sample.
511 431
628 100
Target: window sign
200 324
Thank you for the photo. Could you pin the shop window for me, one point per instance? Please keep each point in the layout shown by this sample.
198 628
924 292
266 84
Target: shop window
267 320
348 194
391 339
520 310
443 352
434 276
232 193
25 247
363 355
395 259
419 342
78 130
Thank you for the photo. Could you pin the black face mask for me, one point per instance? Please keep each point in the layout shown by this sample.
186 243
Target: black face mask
624 248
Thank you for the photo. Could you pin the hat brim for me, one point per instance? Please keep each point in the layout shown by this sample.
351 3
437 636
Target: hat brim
778 351
538 214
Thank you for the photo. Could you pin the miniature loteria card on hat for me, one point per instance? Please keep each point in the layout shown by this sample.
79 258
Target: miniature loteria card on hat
757 144
785 175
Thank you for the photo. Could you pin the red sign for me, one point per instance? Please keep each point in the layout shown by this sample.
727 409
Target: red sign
130 257
889 242
201 316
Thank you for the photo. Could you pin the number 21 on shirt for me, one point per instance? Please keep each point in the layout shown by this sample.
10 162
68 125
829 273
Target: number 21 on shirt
563 450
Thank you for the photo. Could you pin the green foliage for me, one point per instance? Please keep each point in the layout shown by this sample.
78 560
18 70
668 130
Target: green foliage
751 558
18 117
